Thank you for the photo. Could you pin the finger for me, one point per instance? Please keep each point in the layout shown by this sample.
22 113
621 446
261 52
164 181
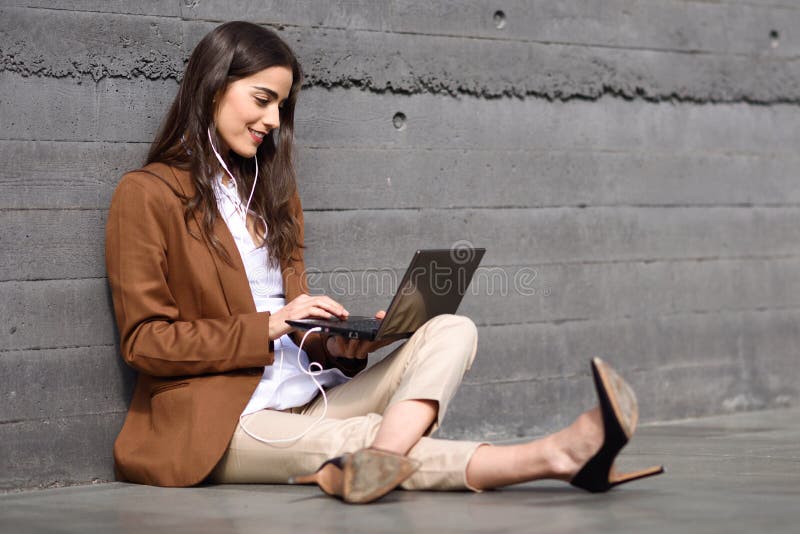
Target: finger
301 308
323 305
381 314
359 349
330 301
334 350
341 346
352 348
329 304
316 311
363 350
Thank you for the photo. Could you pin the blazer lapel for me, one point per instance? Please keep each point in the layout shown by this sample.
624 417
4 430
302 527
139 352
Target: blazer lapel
232 277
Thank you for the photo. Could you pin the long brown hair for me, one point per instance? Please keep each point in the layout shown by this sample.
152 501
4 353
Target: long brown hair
228 53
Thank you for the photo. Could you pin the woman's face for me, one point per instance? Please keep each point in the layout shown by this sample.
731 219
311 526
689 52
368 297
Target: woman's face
250 108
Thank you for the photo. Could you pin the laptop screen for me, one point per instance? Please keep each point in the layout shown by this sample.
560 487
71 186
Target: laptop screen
433 284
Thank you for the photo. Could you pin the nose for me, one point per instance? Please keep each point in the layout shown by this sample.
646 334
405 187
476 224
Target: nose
272 117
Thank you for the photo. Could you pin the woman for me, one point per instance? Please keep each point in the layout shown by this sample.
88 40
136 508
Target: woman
205 261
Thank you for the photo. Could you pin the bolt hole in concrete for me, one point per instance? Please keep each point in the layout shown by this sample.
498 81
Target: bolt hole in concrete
774 36
399 120
499 19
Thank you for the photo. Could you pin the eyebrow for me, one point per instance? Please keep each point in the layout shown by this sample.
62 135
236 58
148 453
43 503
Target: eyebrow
270 92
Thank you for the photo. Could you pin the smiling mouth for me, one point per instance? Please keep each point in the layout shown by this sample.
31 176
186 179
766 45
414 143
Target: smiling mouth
258 136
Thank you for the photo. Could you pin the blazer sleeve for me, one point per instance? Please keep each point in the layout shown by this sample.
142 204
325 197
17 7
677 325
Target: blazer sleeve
153 338
315 345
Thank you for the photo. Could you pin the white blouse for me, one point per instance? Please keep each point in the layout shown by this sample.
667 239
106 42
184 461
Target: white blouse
283 384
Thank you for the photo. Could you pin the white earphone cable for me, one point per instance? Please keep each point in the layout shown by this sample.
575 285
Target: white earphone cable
313 375
309 372
225 167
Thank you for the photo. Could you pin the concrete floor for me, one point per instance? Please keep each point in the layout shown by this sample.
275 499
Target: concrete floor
737 473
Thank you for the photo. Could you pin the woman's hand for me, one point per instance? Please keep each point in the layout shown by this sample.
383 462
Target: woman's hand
304 307
341 347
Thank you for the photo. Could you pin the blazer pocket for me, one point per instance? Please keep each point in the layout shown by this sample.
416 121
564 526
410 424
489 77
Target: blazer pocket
161 388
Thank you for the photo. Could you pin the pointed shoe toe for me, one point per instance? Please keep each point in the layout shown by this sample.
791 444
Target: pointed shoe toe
361 477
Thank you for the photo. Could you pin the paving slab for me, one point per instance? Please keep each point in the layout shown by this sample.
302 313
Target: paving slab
727 474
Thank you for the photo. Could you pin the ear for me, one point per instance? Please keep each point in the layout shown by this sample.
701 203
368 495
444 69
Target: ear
215 101
218 96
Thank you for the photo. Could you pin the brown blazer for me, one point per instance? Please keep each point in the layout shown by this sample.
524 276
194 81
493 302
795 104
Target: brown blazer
189 326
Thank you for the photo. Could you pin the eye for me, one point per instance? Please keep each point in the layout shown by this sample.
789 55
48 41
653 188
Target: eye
262 101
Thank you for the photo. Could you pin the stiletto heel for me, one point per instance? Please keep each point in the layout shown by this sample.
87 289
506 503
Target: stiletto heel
361 477
620 414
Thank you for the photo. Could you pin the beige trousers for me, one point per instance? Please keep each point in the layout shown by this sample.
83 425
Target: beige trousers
430 366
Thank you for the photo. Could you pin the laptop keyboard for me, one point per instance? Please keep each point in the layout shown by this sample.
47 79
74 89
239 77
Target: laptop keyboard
364 324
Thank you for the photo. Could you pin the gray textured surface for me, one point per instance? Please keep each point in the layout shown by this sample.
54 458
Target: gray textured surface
346 48
726 475
633 164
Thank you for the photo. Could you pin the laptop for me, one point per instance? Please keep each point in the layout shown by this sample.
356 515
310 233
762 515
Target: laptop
434 284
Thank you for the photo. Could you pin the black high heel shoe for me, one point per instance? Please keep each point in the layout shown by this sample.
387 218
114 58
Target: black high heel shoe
620 414
361 477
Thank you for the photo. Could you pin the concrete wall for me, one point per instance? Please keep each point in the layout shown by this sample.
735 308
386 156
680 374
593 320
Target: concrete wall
629 164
